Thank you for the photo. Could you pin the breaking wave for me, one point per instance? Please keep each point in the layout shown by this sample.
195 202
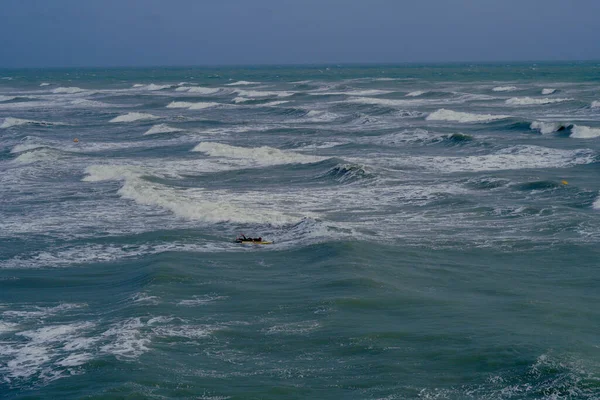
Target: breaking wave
6 98
416 93
151 87
584 132
347 173
262 93
192 106
133 116
161 128
67 90
595 104
548 91
262 156
457 116
242 83
198 90
504 88
526 101
9 122
549 127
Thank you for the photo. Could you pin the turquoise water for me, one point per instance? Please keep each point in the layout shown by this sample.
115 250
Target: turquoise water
436 232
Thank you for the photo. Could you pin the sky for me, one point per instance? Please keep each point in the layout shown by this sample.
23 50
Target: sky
76 33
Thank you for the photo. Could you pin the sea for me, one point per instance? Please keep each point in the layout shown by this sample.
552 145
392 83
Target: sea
435 229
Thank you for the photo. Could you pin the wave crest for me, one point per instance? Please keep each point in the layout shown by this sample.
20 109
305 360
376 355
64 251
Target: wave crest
262 156
504 88
527 101
133 116
457 116
584 132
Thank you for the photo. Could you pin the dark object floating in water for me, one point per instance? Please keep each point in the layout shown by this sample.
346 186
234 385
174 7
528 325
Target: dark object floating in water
248 240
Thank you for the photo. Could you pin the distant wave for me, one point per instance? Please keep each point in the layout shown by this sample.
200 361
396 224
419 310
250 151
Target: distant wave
45 84
584 132
382 102
504 88
9 122
416 93
67 90
367 92
198 90
261 93
525 101
242 83
549 127
457 116
151 87
7 98
192 106
548 91
263 156
161 128
133 116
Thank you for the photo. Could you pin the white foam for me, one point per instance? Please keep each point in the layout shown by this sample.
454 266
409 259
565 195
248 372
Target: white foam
126 339
416 93
548 91
463 117
596 204
504 88
275 103
242 83
7 327
262 93
201 300
9 122
595 104
584 132
367 92
383 102
151 87
294 328
96 173
526 101
192 106
7 98
161 128
45 84
262 156
203 90
89 104
133 116
40 155
546 127
320 116
67 90
240 99
19 148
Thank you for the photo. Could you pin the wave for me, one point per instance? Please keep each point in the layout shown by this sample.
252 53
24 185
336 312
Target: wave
90 104
584 132
320 116
596 204
192 106
346 173
261 93
20 148
151 87
549 127
191 204
504 88
45 84
526 101
548 91
464 117
199 90
416 93
242 83
10 122
366 92
133 116
261 156
38 154
161 128
382 102
7 98
67 90
595 104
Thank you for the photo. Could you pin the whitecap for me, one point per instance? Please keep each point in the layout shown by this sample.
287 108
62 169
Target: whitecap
263 93
45 84
67 90
7 98
504 88
548 91
192 106
242 83
10 122
416 93
259 155
584 132
151 87
133 116
547 127
525 101
595 104
463 117
161 128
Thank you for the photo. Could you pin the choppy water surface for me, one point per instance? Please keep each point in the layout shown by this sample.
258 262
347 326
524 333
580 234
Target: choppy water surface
436 232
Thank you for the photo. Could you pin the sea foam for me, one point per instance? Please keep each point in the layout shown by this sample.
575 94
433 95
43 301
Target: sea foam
133 116
595 104
548 91
526 101
10 122
7 98
242 83
161 128
504 88
416 93
192 106
547 127
262 156
584 132
457 116
67 90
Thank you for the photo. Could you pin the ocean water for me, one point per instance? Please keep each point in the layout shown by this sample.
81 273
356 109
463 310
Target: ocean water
436 230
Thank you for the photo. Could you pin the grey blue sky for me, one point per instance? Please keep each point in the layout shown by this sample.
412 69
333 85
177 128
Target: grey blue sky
49 33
